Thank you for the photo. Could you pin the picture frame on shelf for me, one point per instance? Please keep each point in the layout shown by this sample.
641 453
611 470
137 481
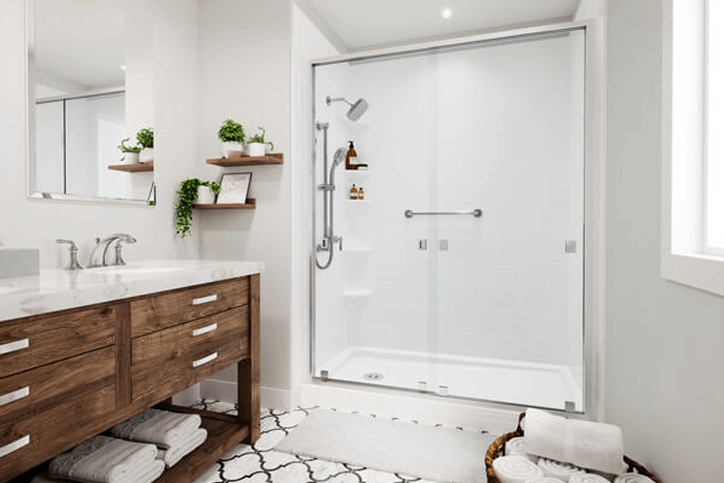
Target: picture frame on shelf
234 188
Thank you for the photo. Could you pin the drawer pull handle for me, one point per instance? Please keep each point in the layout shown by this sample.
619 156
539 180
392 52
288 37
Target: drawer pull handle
15 395
205 360
14 446
204 330
205 300
14 346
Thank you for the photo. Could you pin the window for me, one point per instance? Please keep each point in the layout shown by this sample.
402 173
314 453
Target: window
692 251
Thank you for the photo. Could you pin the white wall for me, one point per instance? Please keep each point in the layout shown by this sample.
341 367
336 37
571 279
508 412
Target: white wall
664 357
37 223
245 74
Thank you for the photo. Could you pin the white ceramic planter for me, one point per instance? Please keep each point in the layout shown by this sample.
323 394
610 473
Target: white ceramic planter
267 148
256 149
205 196
131 158
146 155
229 149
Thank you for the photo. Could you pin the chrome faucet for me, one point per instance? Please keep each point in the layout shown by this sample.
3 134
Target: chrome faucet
100 251
73 263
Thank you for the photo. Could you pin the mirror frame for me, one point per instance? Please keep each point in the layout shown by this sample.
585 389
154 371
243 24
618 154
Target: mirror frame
30 128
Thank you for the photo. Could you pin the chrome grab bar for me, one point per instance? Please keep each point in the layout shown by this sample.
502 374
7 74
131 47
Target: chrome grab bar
477 213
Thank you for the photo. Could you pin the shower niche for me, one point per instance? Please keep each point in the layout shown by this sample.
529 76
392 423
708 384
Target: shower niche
452 275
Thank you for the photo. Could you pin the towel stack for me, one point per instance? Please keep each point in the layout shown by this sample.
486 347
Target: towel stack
175 435
105 460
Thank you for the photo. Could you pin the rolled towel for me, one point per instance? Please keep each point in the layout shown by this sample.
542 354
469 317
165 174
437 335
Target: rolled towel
173 455
632 478
588 478
515 446
104 460
545 479
583 443
153 471
162 428
515 469
556 469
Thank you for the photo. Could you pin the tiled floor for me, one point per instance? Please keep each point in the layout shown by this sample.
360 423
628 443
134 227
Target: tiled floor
259 463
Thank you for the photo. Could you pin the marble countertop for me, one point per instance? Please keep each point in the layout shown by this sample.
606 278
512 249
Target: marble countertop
59 289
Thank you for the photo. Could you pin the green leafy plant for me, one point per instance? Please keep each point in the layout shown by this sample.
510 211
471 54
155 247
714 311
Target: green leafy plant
128 149
145 137
231 131
259 138
187 192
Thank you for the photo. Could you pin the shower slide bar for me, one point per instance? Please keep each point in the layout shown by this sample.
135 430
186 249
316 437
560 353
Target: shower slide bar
477 213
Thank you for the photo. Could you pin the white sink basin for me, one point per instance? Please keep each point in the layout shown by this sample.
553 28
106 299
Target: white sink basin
135 270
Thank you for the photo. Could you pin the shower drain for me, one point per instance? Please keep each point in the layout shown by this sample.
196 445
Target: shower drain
373 376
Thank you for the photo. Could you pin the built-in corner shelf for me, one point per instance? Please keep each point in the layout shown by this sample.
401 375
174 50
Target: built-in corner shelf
271 158
249 205
133 168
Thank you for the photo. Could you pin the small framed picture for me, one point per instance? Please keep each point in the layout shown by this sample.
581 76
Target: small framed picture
234 188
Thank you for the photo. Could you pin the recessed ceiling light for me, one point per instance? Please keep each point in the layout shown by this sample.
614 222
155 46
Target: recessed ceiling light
123 67
446 12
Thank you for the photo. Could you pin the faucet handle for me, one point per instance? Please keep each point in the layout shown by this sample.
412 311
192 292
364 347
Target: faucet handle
73 263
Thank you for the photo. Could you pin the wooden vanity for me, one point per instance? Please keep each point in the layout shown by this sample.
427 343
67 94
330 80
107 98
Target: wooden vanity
69 375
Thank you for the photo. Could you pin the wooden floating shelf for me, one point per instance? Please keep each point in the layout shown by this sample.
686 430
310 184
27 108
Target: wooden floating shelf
133 168
271 158
249 205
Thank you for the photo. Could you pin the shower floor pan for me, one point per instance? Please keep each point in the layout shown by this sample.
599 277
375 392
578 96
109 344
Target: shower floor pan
499 380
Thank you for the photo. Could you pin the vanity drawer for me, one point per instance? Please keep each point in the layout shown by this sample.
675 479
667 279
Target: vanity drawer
173 308
67 403
171 360
36 341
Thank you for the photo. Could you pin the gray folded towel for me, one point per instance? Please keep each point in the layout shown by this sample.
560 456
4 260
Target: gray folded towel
162 428
105 460
152 471
173 455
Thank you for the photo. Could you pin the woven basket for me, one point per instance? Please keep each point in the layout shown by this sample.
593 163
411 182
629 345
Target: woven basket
497 448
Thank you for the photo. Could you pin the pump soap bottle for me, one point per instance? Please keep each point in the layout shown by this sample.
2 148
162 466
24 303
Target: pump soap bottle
350 162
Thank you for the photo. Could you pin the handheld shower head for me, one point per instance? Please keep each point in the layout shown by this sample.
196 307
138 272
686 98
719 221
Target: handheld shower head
339 156
355 111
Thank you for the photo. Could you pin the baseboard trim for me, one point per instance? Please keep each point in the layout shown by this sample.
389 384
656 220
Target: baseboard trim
226 391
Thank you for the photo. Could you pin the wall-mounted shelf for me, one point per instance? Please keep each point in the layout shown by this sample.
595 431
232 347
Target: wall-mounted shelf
271 158
249 205
133 168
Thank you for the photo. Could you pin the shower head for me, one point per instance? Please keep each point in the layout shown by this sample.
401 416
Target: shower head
339 156
355 111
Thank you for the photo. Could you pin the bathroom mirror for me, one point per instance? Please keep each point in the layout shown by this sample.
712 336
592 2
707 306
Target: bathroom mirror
90 86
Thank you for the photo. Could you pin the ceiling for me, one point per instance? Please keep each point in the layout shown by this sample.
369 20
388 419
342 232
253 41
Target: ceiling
362 24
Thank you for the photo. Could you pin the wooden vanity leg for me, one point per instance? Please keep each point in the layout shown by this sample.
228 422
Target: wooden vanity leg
248 369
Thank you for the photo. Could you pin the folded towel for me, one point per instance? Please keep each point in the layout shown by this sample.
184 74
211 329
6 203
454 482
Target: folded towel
588 478
545 479
153 471
162 428
515 446
173 455
583 443
515 469
632 478
104 460
556 469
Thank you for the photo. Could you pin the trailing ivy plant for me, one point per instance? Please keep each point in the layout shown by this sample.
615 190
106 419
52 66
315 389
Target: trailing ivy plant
128 149
145 137
187 192
231 131
259 138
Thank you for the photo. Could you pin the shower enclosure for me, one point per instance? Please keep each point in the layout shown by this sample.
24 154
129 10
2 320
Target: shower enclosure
460 273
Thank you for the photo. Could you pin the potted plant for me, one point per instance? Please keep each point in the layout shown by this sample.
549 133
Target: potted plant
231 134
130 153
258 146
144 137
188 192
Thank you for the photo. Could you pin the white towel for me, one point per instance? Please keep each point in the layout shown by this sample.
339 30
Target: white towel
515 469
105 460
516 446
173 455
162 428
545 479
583 443
632 478
153 471
588 478
556 469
